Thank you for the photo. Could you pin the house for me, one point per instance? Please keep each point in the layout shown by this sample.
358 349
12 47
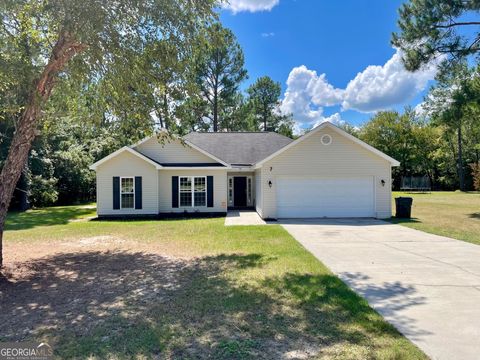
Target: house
325 173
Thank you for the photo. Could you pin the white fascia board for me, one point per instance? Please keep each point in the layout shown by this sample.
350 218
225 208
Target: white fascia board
196 168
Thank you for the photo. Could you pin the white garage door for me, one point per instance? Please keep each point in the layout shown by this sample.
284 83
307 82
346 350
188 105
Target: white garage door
304 197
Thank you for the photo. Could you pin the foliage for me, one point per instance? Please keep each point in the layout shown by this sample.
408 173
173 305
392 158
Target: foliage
405 138
264 101
130 58
429 28
218 71
454 103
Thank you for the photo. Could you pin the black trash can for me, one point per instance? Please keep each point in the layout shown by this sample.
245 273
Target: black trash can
403 207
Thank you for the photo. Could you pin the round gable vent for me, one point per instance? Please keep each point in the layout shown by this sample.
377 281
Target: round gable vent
326 139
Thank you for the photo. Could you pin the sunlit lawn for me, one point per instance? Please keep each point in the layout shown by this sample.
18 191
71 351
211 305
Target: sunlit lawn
180 289
452 214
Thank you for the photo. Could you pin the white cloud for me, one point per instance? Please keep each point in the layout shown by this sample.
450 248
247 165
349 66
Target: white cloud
375 88
250 5
420 109
306 93
381 87
268 34
335 119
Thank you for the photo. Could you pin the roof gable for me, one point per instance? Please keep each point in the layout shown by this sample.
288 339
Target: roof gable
324 125
121 150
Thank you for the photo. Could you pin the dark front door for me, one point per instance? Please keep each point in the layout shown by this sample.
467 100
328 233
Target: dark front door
239 191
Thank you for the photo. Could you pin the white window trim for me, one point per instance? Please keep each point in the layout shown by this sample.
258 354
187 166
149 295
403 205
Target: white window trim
120 190
192 191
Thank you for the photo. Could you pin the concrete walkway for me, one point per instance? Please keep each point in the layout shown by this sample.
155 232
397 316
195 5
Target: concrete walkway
243 217
427 286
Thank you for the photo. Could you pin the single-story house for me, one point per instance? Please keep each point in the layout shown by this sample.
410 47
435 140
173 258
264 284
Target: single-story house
324 173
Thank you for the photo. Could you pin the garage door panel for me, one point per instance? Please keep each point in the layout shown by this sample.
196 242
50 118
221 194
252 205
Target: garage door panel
325 197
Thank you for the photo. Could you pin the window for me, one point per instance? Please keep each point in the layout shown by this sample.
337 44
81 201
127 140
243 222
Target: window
185 191
200 192
230 190
249 190
127 192
193 191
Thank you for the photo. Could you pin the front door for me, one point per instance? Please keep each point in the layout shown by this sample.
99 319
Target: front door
239 191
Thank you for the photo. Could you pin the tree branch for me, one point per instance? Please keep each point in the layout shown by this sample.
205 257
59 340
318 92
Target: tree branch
453 24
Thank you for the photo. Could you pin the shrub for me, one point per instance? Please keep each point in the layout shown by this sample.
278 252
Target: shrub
476 175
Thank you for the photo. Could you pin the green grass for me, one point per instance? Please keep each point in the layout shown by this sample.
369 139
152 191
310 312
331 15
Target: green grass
235 293
56 215
452 214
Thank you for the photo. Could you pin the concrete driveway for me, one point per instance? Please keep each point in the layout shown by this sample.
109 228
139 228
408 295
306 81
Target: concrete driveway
427 286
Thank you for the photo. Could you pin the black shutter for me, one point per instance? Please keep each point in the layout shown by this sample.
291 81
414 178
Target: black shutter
209 191
174 191
116 193
138 192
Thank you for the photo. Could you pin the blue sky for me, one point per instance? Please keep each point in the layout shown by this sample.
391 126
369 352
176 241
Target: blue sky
320 46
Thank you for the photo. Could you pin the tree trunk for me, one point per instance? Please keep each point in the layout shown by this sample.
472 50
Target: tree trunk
461 173
165 112
215 111
65 48
22 189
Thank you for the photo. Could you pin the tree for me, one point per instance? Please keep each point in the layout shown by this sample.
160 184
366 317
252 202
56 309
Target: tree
41 42
403 137
449 104
476 175
429 28
390 132
264 97
219 70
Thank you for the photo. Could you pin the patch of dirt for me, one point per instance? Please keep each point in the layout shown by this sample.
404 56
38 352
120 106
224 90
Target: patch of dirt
78 291
103 240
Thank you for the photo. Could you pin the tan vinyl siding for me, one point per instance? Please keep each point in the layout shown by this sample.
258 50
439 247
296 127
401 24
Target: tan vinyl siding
342 158
126 164
172 152
219 191
258 192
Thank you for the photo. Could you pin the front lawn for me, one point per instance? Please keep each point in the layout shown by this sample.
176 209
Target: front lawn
180 289
452 214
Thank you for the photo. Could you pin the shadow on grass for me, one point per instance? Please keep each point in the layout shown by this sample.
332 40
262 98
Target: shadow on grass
46 217
395 220
125 305
474 216
388 298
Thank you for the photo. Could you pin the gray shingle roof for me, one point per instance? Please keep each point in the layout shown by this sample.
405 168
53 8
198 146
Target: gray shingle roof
239 148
